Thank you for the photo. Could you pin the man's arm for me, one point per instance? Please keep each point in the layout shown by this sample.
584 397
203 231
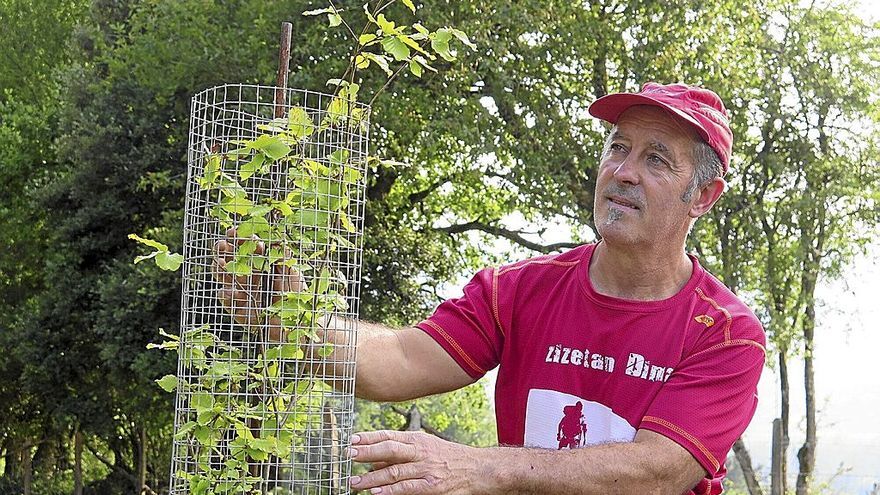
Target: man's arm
395 365
391 365
418 463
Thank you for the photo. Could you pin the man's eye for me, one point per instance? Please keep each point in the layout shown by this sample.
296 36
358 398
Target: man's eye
656 160
617 147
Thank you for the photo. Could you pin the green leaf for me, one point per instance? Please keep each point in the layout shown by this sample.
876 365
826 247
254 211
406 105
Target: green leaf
396 47
352 175
211 173
238 203
346 222
338 108
168 383
329 194
325 350
202 401
385 25
361 62
169 261
239 268
138 259
424 63
352 91
461 36
415 68
267 444
366 38
339 157
149 242
312 218
412 44
250 168
184 429
324 281
342 241
422 29
381 61
299 123
335 19
409 4
285 351
271 146
257 226
440 44
369 15
204 435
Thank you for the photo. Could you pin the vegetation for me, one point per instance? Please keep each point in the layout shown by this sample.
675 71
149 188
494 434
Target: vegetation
93 126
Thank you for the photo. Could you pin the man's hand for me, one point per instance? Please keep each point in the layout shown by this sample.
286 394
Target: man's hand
410 462
245 296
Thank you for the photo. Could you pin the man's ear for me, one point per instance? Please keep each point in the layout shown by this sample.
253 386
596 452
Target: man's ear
706 197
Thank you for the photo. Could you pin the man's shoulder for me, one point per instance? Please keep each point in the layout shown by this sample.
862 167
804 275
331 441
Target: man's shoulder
539 265
725 308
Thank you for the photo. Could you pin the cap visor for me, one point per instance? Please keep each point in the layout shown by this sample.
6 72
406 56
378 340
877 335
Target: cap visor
610 107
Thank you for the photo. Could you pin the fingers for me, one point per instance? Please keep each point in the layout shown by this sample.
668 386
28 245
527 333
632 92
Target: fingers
388 451
371 437
241 295
409 483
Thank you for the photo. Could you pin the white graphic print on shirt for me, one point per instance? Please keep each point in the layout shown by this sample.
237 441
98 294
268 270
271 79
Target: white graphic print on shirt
558 420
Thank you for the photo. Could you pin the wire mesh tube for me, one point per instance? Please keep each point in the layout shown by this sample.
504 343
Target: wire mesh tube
272 245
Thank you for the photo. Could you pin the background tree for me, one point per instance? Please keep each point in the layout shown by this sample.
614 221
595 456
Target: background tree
93 129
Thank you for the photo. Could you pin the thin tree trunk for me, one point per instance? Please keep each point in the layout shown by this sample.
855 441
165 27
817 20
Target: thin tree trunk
142 461
776 460
413 419
807 452
784 392
10 455
745 462
77 461
28 468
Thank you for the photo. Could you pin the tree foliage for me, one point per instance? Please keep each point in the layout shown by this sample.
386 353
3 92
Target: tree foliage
93 130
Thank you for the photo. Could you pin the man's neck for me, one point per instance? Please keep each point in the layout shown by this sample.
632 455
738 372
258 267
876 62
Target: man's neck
639 274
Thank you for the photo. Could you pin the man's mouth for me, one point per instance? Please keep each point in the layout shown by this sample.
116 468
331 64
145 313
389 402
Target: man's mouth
623 202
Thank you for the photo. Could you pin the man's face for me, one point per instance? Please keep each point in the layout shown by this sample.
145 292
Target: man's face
643 174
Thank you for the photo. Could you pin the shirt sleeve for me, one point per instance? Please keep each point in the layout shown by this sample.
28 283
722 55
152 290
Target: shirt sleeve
466 326
709 400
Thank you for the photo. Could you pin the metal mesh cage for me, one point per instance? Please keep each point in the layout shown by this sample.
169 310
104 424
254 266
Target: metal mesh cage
257 411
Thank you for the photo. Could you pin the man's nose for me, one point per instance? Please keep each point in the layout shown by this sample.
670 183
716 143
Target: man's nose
627 170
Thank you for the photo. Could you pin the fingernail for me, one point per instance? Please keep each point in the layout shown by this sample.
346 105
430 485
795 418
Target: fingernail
355 480
378 489
355 438
352 452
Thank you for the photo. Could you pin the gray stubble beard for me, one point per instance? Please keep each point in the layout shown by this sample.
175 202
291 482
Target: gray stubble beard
613 216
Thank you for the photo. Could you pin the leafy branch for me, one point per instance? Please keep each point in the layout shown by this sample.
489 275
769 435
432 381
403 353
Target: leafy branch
257 419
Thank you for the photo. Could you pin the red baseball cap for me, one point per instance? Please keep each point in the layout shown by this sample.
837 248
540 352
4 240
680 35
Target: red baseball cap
700 108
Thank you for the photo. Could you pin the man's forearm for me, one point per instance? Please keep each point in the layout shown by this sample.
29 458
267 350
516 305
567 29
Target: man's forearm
619 468
415 462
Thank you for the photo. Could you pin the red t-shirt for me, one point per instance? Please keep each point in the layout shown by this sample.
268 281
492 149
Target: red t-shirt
686 367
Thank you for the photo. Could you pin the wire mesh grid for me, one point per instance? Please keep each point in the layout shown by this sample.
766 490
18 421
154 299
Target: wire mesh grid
271 282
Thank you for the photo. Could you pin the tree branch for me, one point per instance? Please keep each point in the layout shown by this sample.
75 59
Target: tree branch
511 235
115 467
428 428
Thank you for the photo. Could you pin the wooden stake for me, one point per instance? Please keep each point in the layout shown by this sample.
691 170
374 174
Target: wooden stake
283 69
776 460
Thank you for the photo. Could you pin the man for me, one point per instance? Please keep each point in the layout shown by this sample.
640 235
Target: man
663 358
